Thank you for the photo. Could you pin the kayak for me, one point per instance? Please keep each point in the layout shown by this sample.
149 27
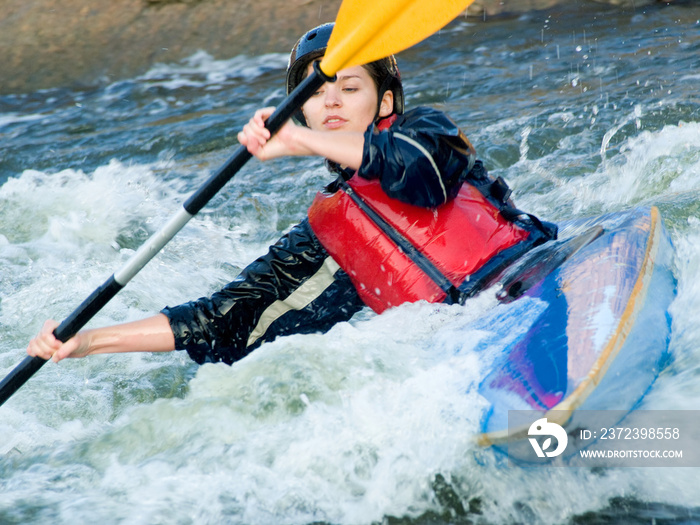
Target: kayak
583 325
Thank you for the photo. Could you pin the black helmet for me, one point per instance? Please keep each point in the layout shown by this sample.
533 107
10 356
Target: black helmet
312 46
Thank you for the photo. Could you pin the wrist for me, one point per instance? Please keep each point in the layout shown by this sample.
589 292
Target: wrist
86 343
302 141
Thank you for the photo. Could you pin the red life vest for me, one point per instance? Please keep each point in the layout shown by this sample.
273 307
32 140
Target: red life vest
458 237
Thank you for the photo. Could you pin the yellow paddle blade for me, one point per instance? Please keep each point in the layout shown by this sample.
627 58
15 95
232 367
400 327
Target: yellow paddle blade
367 30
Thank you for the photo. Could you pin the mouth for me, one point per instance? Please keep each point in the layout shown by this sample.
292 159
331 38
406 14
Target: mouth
333 121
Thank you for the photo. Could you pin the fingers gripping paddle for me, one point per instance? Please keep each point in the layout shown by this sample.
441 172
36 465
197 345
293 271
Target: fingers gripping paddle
365 30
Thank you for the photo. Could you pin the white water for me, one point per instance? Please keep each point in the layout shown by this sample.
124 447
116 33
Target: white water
348 427
345 427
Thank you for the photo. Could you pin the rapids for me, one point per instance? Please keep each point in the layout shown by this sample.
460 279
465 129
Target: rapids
582 111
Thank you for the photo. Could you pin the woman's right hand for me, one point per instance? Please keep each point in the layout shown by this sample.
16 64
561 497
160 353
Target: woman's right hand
46 346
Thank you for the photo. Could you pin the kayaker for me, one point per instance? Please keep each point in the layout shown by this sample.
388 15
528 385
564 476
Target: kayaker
312 278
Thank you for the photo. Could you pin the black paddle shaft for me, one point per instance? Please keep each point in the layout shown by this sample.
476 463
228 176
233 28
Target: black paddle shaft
102 295
282 113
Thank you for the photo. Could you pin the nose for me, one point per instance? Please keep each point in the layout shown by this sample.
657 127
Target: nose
332 96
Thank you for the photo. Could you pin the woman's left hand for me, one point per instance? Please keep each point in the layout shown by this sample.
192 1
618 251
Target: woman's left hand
257 138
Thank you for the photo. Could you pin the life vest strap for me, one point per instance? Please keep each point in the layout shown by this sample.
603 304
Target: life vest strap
488 274
420 260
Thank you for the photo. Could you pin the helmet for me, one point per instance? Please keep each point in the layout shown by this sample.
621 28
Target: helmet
312 46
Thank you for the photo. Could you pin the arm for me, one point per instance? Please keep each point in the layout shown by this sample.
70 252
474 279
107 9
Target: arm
422 159
152 334
344 148
293 288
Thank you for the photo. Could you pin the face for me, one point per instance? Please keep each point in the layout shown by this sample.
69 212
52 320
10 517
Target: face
348 104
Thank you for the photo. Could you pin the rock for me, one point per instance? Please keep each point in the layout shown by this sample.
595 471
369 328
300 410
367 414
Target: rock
50 43
80 43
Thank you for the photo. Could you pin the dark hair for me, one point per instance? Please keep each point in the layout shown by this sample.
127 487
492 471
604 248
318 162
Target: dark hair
378 72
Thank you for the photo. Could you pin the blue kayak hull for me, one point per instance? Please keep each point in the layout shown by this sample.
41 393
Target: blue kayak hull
592 335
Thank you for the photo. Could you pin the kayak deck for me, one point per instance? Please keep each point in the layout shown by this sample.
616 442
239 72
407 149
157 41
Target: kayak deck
592 334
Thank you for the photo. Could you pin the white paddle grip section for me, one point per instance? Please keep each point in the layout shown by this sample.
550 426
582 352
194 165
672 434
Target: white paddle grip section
152 246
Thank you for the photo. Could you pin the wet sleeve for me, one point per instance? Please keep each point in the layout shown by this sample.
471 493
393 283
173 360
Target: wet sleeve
289 290
421 159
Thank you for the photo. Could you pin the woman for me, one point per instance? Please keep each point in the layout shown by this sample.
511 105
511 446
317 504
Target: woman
418 161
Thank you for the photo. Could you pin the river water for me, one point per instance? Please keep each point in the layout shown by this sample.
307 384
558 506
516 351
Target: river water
583 111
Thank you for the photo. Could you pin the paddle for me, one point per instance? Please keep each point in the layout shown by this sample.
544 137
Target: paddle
365 30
